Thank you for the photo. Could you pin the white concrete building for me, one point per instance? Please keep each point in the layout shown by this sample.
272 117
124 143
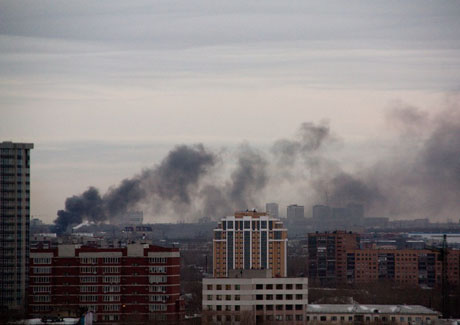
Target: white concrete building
254 295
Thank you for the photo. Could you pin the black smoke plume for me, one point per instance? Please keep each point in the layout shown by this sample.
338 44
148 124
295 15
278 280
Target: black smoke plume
419 176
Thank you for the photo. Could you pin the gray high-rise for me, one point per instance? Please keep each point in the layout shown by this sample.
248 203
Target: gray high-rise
272 209
14 224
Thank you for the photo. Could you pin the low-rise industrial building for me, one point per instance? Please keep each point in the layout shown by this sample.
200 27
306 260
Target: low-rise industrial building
370 314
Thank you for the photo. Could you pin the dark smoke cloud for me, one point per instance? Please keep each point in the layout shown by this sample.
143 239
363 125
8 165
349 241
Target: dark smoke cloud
171 181
419 177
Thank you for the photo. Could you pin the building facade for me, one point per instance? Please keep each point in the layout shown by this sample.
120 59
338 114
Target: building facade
14 224
137 283
250 240
254 296
327 255
370 314
295 211
272 209
413 267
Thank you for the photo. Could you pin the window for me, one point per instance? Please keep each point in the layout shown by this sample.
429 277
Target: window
269 286
157 269
111 279
88 260
219 297
111 269
157 260
88 269
88 279
111 260
41 270
289 307
334 318
269 297
237 287
158 279
237 307
209 286
259 297
228 287
89 298
279 297
228 308
111 289
279 307
259 286
158 298
237 297
269 307
42 260
288 286
219 287
42 279
298 317
157 307
278 317
88 289
298 307
299 286
259 307
323 318
39 298
111 307
218 307
279 287
110 298
42 289
288 297
228 297
298 297
157 289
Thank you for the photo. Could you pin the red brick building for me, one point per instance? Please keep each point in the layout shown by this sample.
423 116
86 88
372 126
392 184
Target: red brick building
137 283
327 255
405 266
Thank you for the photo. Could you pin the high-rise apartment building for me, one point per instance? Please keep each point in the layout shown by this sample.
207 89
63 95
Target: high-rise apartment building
250 240
134 284
272 209
327 255
295 211
14 223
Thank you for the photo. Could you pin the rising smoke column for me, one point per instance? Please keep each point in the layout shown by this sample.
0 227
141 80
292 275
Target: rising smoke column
172 180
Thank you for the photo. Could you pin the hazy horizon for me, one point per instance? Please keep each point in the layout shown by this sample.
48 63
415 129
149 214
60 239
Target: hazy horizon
107 89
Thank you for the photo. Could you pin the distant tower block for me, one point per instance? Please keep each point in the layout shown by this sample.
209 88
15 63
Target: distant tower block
295 211
272 209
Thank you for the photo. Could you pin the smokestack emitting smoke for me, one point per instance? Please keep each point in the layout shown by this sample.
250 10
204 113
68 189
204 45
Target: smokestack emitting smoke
419 178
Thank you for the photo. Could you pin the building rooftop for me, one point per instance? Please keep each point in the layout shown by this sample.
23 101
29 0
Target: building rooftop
366 309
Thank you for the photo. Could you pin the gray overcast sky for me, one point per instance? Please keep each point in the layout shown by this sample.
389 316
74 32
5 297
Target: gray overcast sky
104 88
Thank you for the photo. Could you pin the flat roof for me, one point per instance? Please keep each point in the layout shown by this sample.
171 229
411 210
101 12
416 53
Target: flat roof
366 309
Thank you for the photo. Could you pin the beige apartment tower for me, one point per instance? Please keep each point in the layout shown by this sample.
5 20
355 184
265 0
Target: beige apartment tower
250 240
14 224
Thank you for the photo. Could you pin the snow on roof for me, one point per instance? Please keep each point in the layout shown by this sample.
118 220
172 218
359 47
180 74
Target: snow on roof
365 309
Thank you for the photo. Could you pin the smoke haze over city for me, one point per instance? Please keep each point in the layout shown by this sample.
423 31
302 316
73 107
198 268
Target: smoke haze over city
194 109
419 177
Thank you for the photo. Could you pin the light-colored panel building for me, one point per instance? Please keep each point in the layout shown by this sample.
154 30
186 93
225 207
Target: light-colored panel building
249 296
250 240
